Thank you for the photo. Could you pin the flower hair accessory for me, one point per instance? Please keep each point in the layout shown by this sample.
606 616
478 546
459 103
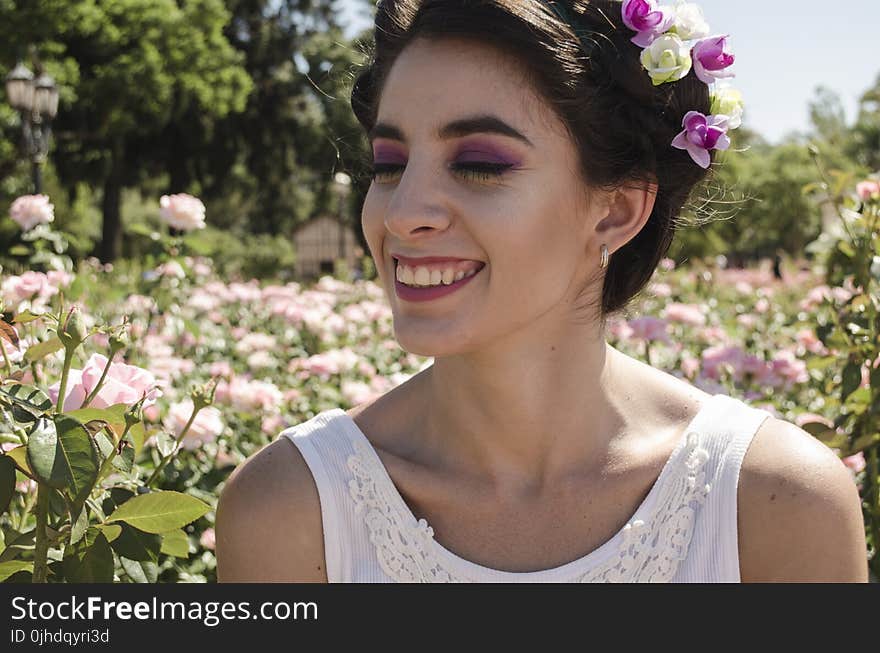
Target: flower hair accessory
674 40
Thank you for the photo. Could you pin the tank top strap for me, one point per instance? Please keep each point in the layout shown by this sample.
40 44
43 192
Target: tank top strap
325 447
725 434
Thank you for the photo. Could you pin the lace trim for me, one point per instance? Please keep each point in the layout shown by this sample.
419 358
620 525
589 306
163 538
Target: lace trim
651 550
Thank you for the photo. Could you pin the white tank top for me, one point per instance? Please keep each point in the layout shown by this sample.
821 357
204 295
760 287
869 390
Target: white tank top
684 531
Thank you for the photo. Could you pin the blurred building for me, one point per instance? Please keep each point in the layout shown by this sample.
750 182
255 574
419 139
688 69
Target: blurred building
320 242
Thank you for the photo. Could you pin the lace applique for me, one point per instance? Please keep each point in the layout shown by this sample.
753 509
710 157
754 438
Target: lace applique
650 550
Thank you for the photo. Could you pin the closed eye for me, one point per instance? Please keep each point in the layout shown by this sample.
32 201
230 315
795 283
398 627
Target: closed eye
472 171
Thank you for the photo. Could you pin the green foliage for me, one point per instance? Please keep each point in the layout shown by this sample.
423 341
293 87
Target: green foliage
848 323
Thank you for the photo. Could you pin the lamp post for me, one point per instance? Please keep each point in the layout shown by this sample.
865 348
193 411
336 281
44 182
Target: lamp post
37 102
341 188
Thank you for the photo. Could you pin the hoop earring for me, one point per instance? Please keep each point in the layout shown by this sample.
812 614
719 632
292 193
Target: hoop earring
604 262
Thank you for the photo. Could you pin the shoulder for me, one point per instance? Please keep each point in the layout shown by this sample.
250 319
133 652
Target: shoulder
268 520
799 516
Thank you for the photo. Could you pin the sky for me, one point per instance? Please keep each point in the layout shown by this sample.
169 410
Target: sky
784 49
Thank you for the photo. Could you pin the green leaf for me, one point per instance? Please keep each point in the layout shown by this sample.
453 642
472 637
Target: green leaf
19 457
827 435
820 362
43 349
63 456
124 461
135 544
17 543
80 526
19 250
852 377
111 531
13 567
27 316
165 442
90 560
158 512
175 543
28 397
140 571
7 482
113 416
136 435
846 249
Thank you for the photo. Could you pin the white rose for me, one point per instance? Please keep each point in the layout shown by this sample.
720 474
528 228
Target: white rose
690 22
30 210
667 59
727 101
182 211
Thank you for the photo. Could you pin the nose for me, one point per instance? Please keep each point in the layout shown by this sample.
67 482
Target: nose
417 203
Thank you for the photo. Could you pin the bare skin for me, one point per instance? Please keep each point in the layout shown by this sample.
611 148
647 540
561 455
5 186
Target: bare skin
530 441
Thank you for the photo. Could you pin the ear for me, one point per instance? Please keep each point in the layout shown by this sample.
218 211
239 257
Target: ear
628 209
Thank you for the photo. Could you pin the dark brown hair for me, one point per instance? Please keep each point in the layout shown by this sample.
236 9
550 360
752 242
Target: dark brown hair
621 124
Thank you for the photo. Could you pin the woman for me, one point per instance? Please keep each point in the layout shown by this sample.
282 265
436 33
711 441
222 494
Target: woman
527 176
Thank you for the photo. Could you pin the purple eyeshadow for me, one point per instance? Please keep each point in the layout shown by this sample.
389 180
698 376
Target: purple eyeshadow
485 152
386 154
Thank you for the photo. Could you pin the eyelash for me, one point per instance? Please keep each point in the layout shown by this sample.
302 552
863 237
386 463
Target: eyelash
480 172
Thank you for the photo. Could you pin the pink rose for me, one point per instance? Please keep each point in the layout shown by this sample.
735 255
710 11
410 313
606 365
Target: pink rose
182 211
868 190
649 328
30 210
29 285
205 428
208 540
685 313
124 384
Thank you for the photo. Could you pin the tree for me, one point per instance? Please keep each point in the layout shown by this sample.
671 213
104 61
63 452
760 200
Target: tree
865 144
130 68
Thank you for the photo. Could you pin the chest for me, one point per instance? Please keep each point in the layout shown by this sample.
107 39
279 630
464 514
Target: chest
512 532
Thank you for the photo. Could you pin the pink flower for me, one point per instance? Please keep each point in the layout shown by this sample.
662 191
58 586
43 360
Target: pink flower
685 313
711 59
702 133
855 463
30 210
807 418
208 539
30 285
59 278
205 428
124 384
182 211
868 190
649 328
646 18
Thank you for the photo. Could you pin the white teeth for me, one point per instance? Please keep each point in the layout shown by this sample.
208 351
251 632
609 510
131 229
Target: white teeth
423 277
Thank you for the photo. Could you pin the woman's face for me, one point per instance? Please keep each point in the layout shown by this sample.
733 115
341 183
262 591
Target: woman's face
471 165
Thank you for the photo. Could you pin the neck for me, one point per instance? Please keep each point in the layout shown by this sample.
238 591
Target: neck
518 414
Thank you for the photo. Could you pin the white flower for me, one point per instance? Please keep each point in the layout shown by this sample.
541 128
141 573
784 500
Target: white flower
30 210
182 211
690 22
667 59
728 101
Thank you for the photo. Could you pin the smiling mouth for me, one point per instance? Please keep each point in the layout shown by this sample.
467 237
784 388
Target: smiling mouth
452 273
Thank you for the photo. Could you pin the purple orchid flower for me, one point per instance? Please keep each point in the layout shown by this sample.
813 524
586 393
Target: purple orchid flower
702 133
711 59
646 18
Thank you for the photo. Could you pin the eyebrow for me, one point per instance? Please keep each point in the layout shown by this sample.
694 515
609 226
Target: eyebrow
485 124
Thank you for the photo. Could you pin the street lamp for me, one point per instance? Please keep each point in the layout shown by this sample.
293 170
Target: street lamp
37 102
342 189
